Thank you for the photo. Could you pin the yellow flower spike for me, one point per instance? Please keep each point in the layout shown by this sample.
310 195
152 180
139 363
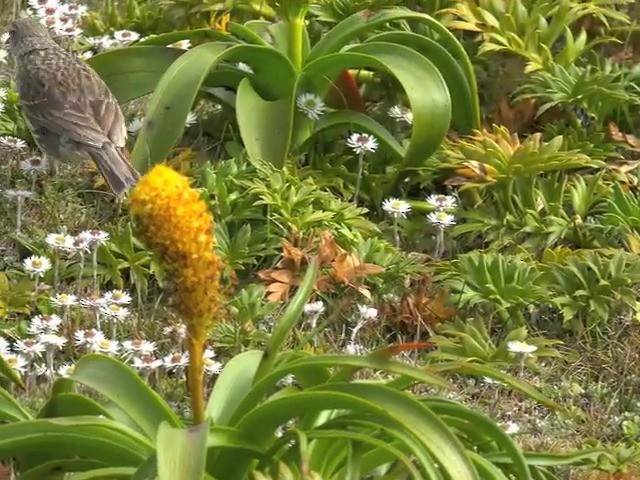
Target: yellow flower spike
177 225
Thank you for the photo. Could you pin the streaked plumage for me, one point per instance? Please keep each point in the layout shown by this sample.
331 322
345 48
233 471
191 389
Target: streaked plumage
68 107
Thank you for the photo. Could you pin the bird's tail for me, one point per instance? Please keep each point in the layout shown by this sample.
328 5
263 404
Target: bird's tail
115 168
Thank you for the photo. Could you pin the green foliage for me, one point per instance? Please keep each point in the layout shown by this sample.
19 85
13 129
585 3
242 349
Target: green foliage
590 287
602 92
538 31
508 284
270 125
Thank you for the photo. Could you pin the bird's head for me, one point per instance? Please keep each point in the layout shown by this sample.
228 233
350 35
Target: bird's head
26 34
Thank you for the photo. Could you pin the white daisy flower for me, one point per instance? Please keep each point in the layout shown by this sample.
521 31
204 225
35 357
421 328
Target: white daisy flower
511 428
516 346
59 241
178 331
367 312
49 9
209 353
3 56
135 125
191 119
311 105
37 265
88 338
146 363
53 340
66 369
396 208
87 54
69 30
94 303
73 9
110 347
182 44
41 370
314 309
244 67
3 91
1 107
14 143
36 4
29 347
441 219
17 362
362 143
176 360
126 36
81 243
212 366
117 296
4 346
115 311
401 113
18 194
64 300
95 236
33 164
41 324
353 348
144 347
442 202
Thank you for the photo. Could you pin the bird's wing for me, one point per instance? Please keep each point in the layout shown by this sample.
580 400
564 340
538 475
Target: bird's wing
65 96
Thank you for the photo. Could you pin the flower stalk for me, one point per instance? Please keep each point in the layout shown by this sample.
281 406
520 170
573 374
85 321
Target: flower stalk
177 225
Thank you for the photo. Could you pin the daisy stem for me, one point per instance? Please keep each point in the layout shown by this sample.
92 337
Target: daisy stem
36 284
359 179
396 233
94 264
439 242
56 269
81 272
19 215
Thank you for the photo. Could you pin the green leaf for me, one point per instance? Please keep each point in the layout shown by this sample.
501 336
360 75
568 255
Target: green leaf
462 97
177 89
122 385
360 23
133 72
196 35
416 74
266 127
10 409
110 473
232 386
9 372
71 405
88 437
288 320
48 469
355 121
182 452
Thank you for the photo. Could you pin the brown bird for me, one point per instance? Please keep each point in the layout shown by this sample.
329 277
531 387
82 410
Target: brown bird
69 109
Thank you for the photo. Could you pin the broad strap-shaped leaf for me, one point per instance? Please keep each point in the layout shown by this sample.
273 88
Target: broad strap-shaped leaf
87 437
121 385
134 72
287 321
366 21
375 400
232 386
422 82
176 91
196 35
108 473
266 127
182 453
71 405
354 121
463 99
9 372
10 408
